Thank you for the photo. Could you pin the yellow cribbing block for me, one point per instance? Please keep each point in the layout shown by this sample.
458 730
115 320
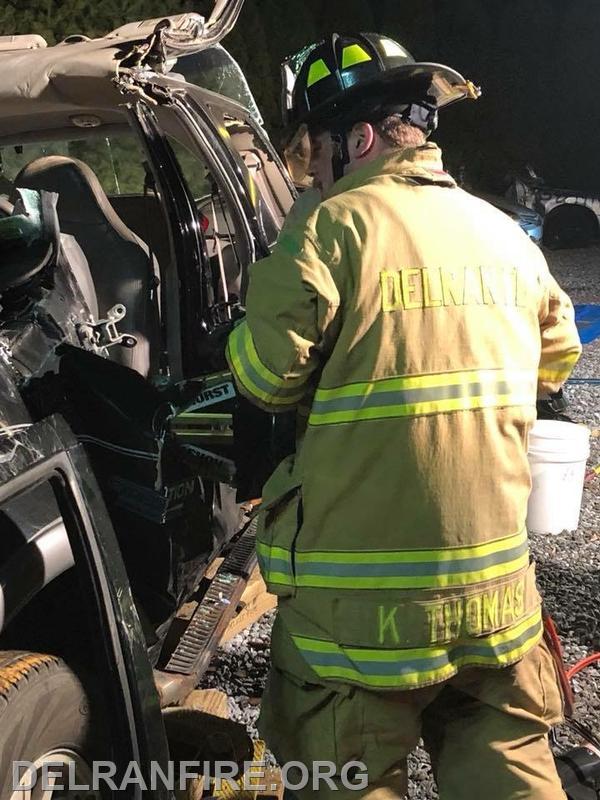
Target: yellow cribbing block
228 792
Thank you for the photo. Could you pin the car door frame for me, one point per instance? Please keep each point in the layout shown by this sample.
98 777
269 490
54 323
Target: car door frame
185 293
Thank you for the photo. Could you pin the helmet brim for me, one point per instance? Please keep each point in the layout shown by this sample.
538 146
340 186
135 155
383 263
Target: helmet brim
434 83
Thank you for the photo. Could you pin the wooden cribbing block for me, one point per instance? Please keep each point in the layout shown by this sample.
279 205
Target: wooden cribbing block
254 602
211 701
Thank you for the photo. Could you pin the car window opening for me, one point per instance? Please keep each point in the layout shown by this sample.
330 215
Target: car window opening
127 196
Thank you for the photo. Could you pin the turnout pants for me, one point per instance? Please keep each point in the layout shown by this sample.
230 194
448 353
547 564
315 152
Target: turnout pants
486 731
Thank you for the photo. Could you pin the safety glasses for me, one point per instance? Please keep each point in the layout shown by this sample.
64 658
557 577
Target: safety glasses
303 149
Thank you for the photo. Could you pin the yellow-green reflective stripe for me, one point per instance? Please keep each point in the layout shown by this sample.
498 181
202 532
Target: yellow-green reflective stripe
410 556
254 376
418 666
423 394
272 552
560 369
242 333
414 680
275 563
354 54
318 70
278 577
404 383
553 376
441 581
420 409
412 569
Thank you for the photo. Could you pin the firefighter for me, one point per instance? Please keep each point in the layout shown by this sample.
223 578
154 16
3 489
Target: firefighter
412 326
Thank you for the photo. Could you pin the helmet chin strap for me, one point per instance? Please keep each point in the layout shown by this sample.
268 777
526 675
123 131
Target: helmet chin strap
422 115
341 154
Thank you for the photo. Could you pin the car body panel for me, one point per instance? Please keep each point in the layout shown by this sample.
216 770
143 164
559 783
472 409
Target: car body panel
48 452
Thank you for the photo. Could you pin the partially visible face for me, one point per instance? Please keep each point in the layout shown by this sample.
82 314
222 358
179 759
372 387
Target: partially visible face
320 166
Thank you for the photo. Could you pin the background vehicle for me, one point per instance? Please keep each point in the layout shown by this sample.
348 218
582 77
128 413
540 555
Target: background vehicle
119 481
571 217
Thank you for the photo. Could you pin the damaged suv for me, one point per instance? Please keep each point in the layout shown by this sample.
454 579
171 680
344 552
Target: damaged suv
132 202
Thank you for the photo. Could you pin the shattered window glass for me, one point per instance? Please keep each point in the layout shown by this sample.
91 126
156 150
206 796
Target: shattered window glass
296 61
216 70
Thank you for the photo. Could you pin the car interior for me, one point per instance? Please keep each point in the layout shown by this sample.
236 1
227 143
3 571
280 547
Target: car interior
114 226
122 267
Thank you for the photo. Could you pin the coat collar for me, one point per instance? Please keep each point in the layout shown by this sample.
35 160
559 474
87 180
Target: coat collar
422 163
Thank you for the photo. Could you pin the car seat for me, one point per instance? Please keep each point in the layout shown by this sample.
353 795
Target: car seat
122 267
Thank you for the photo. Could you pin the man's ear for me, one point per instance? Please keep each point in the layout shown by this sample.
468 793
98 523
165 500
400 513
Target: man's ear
361 139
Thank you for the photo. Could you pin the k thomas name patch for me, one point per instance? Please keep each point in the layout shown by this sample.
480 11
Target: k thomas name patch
426 621
453 618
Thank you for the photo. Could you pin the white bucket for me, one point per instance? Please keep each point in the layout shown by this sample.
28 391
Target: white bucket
558 452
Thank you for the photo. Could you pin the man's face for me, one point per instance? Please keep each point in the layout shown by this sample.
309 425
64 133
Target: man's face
320 167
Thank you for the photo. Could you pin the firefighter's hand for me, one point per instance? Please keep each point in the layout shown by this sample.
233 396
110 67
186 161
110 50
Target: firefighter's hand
553 406
212 346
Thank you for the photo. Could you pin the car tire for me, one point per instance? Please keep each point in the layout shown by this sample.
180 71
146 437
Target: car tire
570 226
44 718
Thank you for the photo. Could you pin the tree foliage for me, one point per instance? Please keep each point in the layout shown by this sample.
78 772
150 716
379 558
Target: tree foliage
537 61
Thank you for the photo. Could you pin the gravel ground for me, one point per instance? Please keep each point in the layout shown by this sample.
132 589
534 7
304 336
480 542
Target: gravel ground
568 565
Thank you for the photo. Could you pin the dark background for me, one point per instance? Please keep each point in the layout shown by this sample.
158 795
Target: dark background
538 62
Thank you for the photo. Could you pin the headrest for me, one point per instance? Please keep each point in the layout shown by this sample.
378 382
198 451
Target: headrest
82 198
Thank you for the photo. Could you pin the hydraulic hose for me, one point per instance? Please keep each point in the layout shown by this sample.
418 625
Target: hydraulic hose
581 665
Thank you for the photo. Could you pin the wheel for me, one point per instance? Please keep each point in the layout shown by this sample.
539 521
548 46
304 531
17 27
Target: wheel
570 226
44 719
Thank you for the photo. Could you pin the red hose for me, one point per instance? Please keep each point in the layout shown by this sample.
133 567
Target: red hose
581 665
